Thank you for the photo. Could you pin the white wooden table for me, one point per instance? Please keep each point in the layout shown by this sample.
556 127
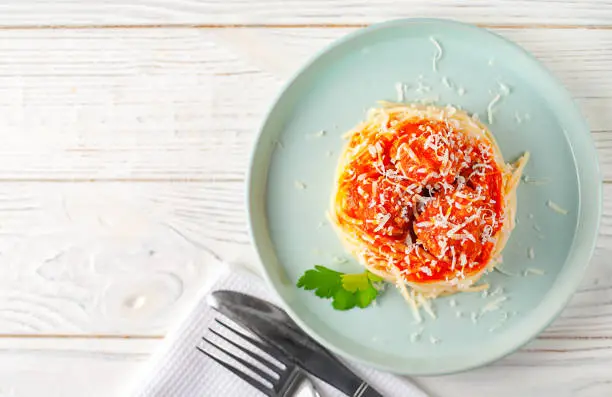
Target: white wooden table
125 129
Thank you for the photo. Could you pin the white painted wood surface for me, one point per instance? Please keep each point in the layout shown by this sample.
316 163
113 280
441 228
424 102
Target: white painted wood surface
325 12
115 208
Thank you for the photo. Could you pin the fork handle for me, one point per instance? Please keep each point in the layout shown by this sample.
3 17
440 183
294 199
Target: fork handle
365 390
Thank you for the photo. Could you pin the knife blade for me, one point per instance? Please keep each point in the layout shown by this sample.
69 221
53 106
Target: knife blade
272 324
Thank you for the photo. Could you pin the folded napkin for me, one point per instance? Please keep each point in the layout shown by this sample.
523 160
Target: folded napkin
179 370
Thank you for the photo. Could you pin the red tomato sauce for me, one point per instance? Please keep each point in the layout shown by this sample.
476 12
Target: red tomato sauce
425 198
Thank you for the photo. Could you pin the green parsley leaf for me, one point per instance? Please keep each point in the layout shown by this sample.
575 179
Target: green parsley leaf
355 282
324 281
365 297
344 300
346 290
374 278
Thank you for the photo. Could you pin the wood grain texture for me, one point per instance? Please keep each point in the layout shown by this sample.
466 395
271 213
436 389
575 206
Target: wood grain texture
542 368
91 105
162 121
115 208
102 368
77 258
71 368
112 258
326 12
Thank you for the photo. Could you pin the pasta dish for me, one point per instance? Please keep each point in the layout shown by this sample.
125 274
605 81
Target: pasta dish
424 199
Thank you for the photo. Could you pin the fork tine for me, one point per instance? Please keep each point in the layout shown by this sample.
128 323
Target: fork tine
272 366
244 362
272 351
247 378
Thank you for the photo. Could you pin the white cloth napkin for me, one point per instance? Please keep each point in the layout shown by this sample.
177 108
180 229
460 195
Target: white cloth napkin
179 370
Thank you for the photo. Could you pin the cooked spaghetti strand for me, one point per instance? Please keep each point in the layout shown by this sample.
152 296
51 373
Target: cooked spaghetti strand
424 199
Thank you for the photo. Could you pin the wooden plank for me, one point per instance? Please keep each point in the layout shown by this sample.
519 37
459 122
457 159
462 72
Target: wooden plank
161 107
167 104
126 259
112 258
101 368
71 368
215 12
542 368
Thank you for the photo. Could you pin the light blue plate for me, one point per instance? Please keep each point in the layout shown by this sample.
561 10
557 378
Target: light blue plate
331 94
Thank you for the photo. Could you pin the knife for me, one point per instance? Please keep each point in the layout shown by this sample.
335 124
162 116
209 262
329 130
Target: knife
273 325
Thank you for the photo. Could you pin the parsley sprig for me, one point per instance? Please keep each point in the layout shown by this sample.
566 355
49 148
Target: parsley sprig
345 290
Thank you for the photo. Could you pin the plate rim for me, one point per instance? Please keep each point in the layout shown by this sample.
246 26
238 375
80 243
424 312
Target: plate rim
578 268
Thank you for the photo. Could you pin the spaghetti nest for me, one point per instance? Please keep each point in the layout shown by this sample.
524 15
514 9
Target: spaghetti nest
424 199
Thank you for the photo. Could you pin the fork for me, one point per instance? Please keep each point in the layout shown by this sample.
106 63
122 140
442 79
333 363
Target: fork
291 380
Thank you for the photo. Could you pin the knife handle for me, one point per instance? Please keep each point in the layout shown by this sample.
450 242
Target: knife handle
365 390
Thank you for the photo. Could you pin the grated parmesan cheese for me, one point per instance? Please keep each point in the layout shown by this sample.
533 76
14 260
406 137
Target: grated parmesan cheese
474 317
460 91
505 90
447 82
533 270
426 306
503 271
299 185
502 320
452 302
415 336
382 223
433 340
422 88
400 89
531 181
389 207
317 134
518 118
493 305
530 253
400 284
556 207
458 314
490 108
372 150
497 291
438 54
